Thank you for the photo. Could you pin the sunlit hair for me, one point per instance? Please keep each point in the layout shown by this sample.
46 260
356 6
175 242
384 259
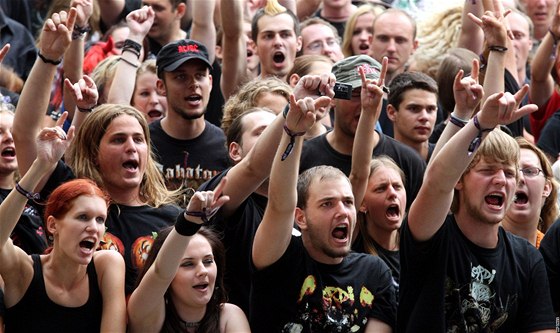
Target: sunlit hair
454 60
321 172
272 8
407 81
351 24
147 66
84 151
10 80
549 210
304 64
104 73
248 97
237 128
497 147
437 33
376 164
211 320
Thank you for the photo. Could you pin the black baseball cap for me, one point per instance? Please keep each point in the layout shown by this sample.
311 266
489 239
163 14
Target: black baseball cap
174 54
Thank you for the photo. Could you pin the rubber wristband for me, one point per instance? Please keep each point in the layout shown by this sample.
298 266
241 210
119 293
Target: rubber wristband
290 146
49 61
27 194
475 143
457 121
185 227
497 48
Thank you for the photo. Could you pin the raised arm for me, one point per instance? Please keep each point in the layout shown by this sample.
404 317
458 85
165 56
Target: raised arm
471 36
468 94
542 83
139 23
364 140
203 27
56 37
234 48
274 233
146 306
84 95
248 175
15 265
428 211
74 55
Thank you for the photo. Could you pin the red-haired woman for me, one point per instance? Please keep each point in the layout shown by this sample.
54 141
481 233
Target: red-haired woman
73 288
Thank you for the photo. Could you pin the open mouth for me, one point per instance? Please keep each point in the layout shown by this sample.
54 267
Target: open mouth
201 286
130 165
278 57
363 47
155 113
494 200
340 232
194 98
9 152
393 211
249 53
521 198
87 244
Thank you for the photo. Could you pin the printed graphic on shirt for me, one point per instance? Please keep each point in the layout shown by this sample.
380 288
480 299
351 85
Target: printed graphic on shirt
476 307
140 250
332 309
182 175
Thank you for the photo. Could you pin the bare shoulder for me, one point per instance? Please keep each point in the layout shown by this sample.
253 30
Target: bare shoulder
107 259
233 319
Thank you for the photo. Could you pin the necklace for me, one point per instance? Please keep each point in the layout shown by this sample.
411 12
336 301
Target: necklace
189 324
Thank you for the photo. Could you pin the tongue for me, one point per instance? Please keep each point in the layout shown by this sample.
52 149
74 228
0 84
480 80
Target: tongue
521 199
492 200
339 233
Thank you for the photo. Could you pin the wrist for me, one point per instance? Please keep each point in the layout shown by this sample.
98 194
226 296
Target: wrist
49 60
185 227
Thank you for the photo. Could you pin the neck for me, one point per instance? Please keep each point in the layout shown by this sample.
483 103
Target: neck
483 234
540 31
421 147
61 272
188 314
524 229
7 181
180 128
177 34
387 239
127 197
340 142
337 14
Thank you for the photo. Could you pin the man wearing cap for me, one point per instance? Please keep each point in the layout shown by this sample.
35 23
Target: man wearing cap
190 149
335 147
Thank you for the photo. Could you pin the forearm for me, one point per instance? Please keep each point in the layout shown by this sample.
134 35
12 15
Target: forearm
203 27
494 76
73 70
362 152
471 36
542 84
306 8
234 47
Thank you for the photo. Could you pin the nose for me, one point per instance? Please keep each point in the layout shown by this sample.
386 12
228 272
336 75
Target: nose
201 270
364 35
8 136
391 45
277 39
130 145
154 97
500 177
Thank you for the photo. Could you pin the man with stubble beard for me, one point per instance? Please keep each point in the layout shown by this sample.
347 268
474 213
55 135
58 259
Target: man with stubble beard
189 149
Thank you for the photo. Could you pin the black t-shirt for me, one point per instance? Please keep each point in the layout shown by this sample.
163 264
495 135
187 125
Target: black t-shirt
189 163
449 284
391 258
214 109
318 151
130 230
549 140
511 86
340 26
550 250
299 294
29 233
238 232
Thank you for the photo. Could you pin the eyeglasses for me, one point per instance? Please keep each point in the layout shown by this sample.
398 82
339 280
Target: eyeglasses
530 172
319 45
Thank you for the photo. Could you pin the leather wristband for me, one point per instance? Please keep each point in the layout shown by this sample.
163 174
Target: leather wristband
185 227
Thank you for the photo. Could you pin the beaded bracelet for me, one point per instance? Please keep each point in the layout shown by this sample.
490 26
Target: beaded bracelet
27 194
475 143
290 146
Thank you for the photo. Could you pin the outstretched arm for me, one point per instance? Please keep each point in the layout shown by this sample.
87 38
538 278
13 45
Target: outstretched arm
203 27
364 140
248 175
139 23
428 211
542 83
146 306
273 234
234 48
56 37
14 262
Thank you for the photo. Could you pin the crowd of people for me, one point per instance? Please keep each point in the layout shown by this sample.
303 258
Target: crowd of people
279 166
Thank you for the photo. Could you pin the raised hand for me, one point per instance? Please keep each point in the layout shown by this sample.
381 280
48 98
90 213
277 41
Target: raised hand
139 22
467 91
84 9
315 86
555 25
84 92
372 90
302 114
3 51
204 204
53 141
503 108
493 24
56 35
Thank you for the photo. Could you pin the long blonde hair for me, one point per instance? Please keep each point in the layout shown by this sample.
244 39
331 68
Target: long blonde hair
83 153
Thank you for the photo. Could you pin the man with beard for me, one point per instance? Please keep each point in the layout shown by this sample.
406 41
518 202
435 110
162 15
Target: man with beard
313 283
190 149
276 33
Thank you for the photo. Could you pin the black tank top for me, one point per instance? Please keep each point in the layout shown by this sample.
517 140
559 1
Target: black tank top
35 312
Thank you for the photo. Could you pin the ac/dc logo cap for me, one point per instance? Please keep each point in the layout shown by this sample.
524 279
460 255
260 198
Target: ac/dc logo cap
174 54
